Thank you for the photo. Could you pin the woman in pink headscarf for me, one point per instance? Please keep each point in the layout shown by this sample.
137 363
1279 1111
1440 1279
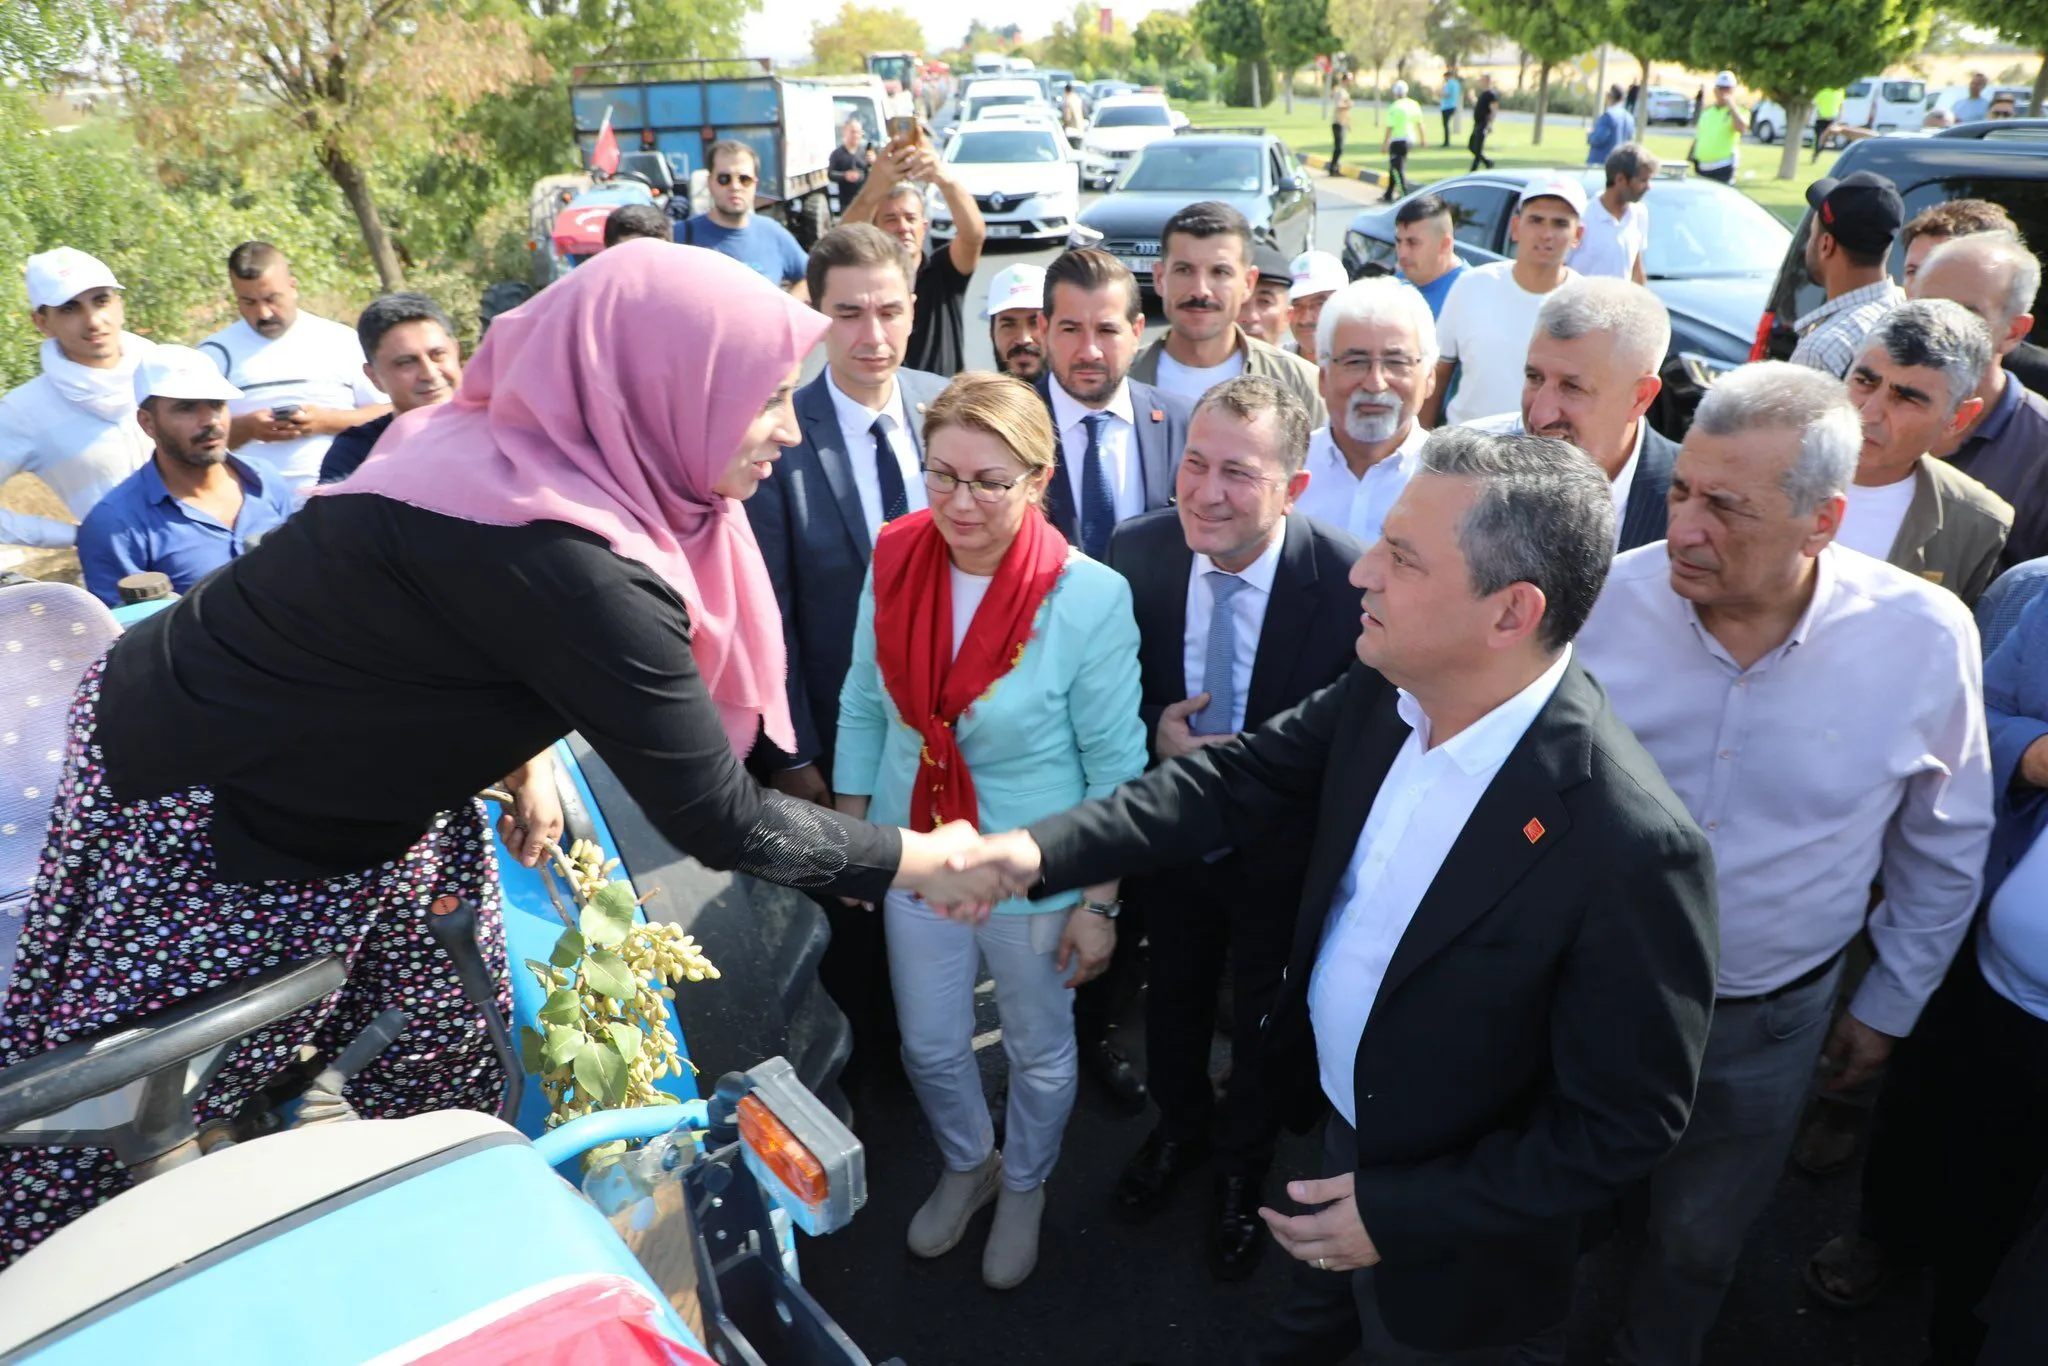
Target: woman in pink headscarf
284 763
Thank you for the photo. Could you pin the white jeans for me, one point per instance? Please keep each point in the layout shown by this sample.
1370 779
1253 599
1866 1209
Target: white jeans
932 965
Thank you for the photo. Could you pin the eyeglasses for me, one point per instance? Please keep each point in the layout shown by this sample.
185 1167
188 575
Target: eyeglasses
941 483
728 177
1357 365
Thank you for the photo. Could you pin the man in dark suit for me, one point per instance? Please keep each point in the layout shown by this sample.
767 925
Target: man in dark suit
860 464
1591 376
1243 610
1503 964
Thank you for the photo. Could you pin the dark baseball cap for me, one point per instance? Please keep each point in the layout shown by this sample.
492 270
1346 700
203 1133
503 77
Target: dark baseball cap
1275 266
1862 210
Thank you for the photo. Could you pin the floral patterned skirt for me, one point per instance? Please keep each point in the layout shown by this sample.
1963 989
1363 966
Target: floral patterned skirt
129 917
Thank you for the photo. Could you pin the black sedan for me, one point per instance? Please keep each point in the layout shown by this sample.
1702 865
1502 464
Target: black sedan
1713 253
1251 170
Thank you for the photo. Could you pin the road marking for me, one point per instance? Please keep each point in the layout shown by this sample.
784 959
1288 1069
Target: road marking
981 1041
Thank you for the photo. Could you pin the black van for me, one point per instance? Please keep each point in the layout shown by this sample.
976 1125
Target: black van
2005 162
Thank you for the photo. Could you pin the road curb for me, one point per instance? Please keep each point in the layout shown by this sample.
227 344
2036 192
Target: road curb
1378 179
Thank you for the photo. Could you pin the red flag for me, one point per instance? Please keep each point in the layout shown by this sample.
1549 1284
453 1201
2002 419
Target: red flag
605 157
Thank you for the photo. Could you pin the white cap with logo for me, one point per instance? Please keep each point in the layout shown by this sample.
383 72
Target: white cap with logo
1015 287
1315 272
1725 81
58 276
180 372
1565 187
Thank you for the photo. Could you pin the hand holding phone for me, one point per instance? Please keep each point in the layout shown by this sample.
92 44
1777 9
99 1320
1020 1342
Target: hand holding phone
904 130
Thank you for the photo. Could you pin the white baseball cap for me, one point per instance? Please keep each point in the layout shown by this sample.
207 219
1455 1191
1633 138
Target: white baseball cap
1725 81
1015 287
1315 272
58 276
1563 187
180 372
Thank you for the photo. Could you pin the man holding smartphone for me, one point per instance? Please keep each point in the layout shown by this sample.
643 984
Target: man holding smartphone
894 201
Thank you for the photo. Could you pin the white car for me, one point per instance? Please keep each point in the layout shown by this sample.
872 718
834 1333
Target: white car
1022 177
1122 125
992 94
1883 105
1665 105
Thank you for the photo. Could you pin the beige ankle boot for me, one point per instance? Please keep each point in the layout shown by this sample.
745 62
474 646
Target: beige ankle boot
1012 1250
939 1223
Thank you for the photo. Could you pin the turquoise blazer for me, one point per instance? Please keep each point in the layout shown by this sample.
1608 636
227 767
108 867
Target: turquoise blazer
1059 728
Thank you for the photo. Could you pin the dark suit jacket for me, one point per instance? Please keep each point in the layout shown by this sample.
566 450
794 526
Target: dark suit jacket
1648 510
1535 1044
1162 421
815 541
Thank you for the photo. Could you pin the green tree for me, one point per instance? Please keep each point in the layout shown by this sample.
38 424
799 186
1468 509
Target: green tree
1236 30
1644 29
844 44
1079 45
1451 30
41 38
1166 39
1378 31
2023 21
1297 31
1790 52
1553 32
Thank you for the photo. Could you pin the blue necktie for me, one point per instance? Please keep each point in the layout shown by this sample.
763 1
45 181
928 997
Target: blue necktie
1219 661
1098 501
895 501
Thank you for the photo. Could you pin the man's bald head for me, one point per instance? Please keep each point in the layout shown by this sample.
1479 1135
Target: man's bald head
1990 273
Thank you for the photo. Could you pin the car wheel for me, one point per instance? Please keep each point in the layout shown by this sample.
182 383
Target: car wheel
1765 132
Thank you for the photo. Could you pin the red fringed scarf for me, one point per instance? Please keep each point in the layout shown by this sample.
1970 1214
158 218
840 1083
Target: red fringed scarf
930 686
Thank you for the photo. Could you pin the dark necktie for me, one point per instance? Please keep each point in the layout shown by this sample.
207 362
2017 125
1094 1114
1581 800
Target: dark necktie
895 501
1098 501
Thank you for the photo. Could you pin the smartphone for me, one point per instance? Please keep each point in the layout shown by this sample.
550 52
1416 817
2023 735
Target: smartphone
904 129
284 412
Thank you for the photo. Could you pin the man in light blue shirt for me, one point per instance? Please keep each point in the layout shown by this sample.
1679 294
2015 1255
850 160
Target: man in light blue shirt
1973 107
1453 96
734 229
1614 127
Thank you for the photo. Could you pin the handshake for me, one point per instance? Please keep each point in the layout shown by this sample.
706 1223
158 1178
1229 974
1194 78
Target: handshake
962 874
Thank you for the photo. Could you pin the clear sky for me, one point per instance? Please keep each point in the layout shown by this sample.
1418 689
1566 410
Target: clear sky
782 28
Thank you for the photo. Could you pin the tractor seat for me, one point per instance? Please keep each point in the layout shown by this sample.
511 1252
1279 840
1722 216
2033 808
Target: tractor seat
50 633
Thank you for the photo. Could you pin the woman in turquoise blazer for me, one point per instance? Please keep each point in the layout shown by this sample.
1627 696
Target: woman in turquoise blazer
994 679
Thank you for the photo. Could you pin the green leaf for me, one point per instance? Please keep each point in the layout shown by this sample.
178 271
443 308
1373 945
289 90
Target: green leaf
565 1044
530 1050
608 973
541 973
568 949
561 1007
608 918
626 1038
601 1074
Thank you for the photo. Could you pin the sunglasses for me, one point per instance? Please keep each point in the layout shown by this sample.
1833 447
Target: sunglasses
728 177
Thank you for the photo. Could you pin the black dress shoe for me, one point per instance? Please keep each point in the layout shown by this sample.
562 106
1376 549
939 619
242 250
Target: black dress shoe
1149 1177
1114 1077
1237 1236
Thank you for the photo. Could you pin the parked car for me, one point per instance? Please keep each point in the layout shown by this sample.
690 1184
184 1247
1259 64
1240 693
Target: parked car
1665 105
1249 169
1123 124
1023 178
1943 101
2005 162
988 94
1713 251
1887 105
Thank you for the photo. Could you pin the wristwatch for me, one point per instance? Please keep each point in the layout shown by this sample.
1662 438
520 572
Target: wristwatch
1108 910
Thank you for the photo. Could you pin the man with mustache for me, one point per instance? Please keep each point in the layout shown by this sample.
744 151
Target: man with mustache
1590 378
413 356
1016 321
194 506
1378 344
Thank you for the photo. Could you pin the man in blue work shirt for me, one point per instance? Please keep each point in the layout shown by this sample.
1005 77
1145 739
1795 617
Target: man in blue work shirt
1453 96
194 506
1614 127
1426 248
732 226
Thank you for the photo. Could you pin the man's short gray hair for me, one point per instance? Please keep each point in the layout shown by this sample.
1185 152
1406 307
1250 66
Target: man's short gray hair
1997 249
1378 299
1631 319
1544 516
1938 334
1776 395
1250 397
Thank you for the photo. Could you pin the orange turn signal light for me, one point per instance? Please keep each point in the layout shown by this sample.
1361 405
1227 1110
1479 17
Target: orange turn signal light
784 1155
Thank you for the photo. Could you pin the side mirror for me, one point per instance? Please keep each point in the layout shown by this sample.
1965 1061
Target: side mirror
1178 119
1292 184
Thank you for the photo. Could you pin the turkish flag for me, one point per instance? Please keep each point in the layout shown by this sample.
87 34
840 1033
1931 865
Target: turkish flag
605 156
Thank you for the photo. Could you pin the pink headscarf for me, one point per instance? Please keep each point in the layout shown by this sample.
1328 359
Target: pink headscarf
612 401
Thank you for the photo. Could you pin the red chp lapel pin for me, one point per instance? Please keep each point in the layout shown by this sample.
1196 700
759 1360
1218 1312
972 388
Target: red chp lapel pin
1533 831
1158 415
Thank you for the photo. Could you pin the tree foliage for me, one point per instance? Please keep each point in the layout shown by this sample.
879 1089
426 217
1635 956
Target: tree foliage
39 39
1236 30
1552 32
1166 39
2023 21
1079 45
1297 31
1452 30
843 44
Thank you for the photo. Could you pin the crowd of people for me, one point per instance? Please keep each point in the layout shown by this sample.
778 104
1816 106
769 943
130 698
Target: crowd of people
1664 814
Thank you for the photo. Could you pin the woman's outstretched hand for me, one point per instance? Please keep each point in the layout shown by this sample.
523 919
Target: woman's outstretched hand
534 820
961 875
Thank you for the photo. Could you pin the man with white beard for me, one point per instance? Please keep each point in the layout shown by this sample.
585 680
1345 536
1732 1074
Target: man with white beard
1376 341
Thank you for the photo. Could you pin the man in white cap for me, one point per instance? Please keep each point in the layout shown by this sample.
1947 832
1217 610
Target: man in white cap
193 506
302 375
1717 136
1311 278
1016 321
73 426
1484 326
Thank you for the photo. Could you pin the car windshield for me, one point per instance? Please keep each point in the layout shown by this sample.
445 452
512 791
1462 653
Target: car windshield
1193 168
1697 233
980 102
1134 116
1024 144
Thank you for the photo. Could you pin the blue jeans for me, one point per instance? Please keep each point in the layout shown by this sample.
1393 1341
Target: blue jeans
1753 1087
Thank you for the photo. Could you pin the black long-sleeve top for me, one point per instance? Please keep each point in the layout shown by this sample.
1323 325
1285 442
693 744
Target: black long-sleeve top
370 664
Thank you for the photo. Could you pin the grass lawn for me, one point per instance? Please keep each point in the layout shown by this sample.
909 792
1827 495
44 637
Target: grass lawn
1564 143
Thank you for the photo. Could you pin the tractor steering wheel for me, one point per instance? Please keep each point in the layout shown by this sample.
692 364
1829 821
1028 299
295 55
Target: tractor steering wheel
70 1096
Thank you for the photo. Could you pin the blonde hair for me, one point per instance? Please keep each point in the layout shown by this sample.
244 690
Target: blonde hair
1008 409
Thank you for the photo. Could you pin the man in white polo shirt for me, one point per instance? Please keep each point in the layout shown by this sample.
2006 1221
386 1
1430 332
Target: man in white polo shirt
301 376
1618 222
1378 348
73 426
1481 330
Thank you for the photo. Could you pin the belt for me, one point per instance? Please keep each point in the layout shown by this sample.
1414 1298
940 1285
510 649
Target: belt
1799 983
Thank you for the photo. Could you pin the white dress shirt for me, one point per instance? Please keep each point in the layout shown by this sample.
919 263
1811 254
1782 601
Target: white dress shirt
1854 748
1428 795
1510 424
1119 447
1358 504
1248 612
856 421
